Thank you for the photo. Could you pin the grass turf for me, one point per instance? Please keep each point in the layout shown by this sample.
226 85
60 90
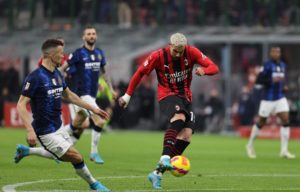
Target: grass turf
218 163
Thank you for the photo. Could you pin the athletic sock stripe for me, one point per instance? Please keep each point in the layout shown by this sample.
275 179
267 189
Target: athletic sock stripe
170 138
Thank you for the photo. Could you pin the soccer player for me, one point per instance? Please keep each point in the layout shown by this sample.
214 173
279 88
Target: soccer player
84 67
44 88
272 77
174 67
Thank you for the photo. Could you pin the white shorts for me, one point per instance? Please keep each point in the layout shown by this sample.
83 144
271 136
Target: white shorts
75 109
269 107
57 143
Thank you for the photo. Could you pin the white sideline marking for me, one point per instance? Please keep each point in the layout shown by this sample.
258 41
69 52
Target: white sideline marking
12 187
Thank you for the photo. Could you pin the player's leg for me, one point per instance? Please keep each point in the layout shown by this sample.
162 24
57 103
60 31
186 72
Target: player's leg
78 125
253 135
282 111
60 145
73 156
265 109
23 151
96 123
184 137
172 108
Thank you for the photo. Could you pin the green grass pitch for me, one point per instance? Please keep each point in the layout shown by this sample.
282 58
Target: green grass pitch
218 163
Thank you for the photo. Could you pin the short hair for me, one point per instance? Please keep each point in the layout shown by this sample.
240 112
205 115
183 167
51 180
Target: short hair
51 43
178 39
275 47
88 27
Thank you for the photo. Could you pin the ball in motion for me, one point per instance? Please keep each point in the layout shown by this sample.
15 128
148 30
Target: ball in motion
181 166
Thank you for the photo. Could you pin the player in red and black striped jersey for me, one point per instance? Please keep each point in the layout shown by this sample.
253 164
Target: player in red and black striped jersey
174 68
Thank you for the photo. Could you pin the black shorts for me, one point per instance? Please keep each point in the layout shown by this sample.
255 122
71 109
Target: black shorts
103 102
171 105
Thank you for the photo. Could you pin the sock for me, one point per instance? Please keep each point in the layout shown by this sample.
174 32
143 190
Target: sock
254 133
40 151
284 135
159 169
170 136
96 134
179 147
169 141
83 171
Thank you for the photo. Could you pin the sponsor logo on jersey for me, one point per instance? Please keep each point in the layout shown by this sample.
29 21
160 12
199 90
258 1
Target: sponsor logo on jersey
177 76
95 66
27 86
55 92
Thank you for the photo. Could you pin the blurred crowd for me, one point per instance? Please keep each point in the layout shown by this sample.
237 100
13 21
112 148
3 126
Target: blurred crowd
126 13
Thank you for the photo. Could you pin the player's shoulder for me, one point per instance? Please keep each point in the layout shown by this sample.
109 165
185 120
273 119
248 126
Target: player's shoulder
155 54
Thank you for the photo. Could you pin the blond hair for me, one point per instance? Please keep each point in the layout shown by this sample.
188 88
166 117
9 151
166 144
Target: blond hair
178 39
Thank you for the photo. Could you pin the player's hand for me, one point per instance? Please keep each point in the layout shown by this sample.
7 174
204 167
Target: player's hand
31 138
285 89
199 71
101 113
124 100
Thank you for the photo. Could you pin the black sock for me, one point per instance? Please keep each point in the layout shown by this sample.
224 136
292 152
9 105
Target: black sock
95 127
76 131
170 136
180 146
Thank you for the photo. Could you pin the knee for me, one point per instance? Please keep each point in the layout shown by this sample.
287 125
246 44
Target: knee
185 135
76 158
178 116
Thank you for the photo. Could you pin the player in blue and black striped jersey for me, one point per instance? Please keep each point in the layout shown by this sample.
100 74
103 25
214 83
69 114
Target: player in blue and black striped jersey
273 79
85 65
44 88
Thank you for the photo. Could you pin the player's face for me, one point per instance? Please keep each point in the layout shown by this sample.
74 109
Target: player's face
275 53
176 52
57 55
90 36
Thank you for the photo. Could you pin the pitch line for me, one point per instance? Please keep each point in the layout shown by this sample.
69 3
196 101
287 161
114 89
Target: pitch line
12 187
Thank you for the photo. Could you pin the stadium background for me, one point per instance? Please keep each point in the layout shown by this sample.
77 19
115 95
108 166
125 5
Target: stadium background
235 34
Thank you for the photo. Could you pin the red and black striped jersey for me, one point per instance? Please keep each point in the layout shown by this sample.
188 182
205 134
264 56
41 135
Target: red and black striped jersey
174 76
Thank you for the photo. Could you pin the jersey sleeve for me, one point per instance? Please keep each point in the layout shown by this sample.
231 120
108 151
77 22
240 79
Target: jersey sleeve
209 67
264 76
103 59
73 59
149 64
144 69
29 86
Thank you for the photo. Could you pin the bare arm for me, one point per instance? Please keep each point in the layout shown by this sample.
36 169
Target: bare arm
108 81
27 119
73 98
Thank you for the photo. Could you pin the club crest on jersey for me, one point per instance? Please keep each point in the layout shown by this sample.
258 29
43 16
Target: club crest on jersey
93 57
177 107
186 62
278 69
27 86
54 82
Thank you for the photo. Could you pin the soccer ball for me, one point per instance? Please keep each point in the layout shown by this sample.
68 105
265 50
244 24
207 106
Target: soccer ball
181 166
